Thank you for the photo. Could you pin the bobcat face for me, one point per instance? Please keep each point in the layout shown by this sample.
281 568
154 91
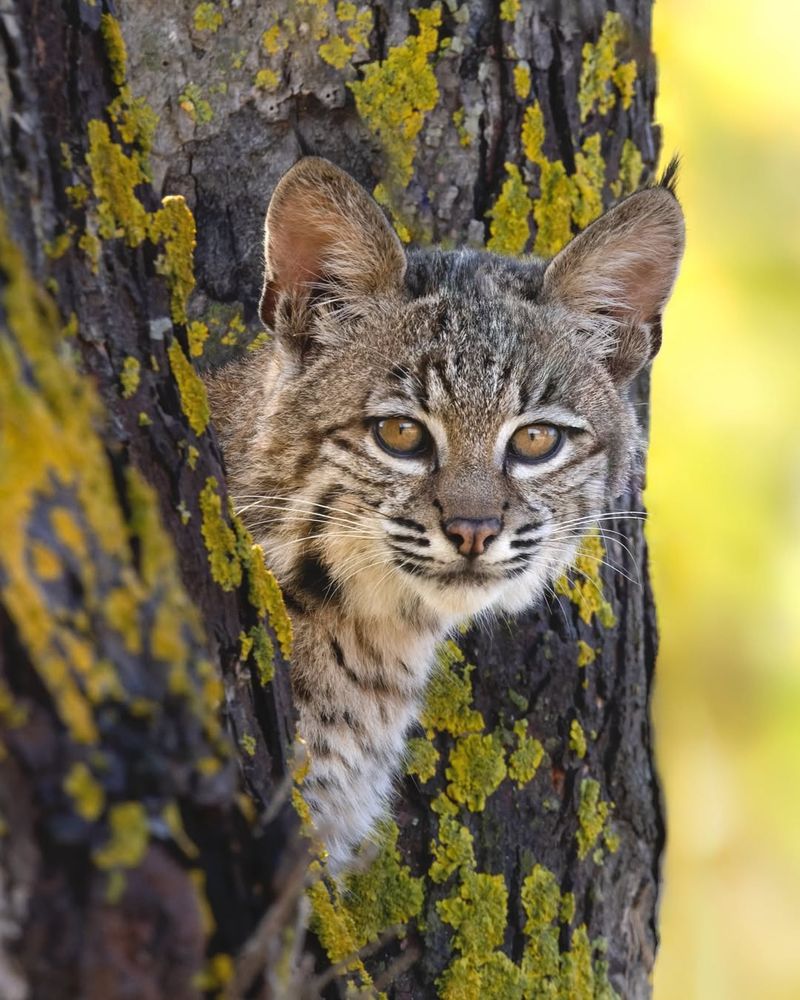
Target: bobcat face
438 432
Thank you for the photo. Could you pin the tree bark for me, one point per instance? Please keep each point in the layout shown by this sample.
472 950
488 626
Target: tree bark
143 838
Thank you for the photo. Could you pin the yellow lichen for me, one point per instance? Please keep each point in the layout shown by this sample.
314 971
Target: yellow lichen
263 590
194 401
114 178
206 17
115 48
174 224
220 539
248 744
510 214
588 181
129 376
267 79
586 653
509 10
553 210
86 793
631 167
393 96
337 52
592 815
422 759
523 763
601 67
272 41
577 738
447 702
477 913
452 851
128 837
191 101
475 769
197 335
587 591
347 918
522 79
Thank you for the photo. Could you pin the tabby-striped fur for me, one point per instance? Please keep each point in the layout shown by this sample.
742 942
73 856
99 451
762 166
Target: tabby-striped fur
472 346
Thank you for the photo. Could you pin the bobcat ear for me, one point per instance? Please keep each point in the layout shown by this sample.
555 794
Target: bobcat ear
619 272
324 231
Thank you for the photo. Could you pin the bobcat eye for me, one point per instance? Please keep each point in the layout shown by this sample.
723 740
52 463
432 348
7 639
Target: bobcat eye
401 436
535 442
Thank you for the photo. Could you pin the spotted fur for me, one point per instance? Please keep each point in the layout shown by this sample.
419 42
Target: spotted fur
472 346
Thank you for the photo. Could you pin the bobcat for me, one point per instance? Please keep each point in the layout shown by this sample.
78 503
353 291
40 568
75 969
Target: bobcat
425 438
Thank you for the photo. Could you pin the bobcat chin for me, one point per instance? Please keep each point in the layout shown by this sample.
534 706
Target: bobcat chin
425 438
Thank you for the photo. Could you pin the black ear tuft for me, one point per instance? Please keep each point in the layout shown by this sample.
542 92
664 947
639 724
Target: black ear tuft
669 179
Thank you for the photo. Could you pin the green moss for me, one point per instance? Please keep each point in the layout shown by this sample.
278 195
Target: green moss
449 695
129 376
510 226
593 812
86 793
577 738
523 763
601 68
206 17
522 80
194 401
115 48
393 96
422 759
220 539
475 769
586 592
128 837
452 851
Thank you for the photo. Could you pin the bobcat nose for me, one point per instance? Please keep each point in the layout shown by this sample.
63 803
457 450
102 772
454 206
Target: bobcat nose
472 536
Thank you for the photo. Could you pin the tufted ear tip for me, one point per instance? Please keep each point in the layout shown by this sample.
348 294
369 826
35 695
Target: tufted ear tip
323 229
618 274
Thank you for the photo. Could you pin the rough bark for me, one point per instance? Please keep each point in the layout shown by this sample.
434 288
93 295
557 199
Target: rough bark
241 91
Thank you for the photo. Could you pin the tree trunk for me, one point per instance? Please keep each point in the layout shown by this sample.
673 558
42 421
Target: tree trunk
144 698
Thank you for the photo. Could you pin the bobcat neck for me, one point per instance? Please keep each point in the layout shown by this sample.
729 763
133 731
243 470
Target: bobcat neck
358 684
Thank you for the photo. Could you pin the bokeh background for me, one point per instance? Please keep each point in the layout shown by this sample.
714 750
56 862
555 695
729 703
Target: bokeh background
724 496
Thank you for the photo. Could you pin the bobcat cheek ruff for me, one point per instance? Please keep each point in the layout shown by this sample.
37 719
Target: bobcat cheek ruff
426 437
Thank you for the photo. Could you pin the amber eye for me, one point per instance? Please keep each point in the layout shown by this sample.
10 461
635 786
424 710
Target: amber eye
535 442
401 436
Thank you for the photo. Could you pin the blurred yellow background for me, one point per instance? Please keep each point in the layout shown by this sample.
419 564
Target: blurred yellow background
724 499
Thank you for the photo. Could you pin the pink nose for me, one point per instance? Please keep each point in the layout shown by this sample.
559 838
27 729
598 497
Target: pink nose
472 536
